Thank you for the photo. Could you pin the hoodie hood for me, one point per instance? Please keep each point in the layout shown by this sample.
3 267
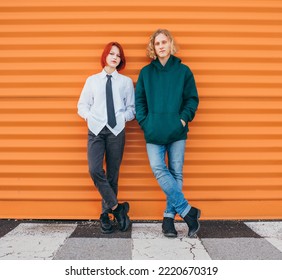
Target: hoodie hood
172 63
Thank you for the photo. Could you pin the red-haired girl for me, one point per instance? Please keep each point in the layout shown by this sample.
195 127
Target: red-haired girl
106 103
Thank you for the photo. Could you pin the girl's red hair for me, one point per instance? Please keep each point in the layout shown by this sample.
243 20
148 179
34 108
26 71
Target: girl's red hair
107 50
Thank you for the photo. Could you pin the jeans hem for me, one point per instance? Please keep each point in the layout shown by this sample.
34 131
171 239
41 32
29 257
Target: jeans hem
169 215
186 211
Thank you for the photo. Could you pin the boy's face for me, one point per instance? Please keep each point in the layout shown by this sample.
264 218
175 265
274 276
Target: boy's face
162 46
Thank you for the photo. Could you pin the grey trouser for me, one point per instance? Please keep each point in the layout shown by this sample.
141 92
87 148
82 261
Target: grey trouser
112 147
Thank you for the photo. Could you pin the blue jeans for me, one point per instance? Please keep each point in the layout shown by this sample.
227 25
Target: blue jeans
170 177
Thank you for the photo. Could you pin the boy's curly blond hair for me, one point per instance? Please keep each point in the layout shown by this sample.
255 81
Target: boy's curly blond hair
151 48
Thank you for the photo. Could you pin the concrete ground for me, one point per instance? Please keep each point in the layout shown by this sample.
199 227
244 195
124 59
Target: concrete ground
82 240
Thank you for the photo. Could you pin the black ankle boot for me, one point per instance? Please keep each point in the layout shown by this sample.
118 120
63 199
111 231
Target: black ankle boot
121 216
105 223
168 227
192 220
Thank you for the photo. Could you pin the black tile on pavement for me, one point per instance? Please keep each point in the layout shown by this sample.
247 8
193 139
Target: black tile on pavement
7 225
91 229
225 229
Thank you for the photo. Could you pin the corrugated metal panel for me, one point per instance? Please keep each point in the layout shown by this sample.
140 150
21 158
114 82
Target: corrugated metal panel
233 166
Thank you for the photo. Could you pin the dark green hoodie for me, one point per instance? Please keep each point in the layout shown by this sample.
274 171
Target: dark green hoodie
164 95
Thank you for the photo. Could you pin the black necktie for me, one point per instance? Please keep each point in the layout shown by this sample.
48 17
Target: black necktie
110 103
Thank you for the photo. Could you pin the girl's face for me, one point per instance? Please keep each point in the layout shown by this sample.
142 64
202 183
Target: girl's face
113 58
162 46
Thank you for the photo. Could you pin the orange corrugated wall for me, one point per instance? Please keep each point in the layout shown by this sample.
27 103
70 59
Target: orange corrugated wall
233 166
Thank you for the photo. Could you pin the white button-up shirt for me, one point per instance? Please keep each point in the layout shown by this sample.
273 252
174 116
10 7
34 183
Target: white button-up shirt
92 102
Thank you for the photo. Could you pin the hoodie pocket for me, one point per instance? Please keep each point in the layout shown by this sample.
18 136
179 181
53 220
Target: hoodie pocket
163 128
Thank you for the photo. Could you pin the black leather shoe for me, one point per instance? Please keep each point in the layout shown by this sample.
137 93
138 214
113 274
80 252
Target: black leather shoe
121 216
105 223
168 227
192 220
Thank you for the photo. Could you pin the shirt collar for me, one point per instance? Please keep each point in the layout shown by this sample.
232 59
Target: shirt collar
114 74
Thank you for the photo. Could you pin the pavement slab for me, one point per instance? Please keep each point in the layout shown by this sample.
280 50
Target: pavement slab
34 241
95 249
241 249
91 229
270 230
226 229
7 225
150 243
